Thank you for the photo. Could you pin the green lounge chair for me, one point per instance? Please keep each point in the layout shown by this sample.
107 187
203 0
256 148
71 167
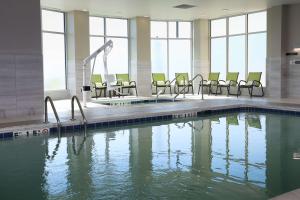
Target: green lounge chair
231 81
159 81
182 80
125 83
213 80
98 85
253 80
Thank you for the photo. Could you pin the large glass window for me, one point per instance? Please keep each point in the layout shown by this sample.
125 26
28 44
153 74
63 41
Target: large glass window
171 47
54 59
236 47
103 30
218 56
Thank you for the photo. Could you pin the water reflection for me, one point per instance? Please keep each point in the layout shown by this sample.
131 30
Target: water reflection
235 156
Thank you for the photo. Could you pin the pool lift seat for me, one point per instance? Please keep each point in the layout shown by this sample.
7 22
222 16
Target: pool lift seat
109 78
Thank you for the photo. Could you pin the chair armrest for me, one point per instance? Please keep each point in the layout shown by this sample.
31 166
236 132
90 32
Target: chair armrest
231 82
154 83
258 82
242 81
134 83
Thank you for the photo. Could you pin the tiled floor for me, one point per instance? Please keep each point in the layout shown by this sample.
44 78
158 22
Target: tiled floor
96 112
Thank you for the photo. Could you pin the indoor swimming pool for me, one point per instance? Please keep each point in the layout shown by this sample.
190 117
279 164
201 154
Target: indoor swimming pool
239 155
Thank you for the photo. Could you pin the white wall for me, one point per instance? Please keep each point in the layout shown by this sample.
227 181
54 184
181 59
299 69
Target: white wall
21 68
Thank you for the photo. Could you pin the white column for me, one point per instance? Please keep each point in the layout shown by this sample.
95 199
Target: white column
140 51
78 47
201 62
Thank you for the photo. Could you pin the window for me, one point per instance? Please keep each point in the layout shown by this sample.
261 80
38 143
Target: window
105 29
238 48
54 59
171 47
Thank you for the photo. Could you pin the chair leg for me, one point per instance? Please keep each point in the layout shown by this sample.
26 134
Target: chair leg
262 91
156 90
228 90
96 93
251 91
170 90
136 92
199 89
238 92
192 89
100 93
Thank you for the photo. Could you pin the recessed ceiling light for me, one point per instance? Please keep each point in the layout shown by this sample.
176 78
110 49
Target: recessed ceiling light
184 6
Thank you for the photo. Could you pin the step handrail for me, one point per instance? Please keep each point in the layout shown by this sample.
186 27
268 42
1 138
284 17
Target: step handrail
164 88
49 99
183 90
81 111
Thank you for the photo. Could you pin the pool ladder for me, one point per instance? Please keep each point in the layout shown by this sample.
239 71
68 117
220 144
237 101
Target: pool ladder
49 99
183 89
81 111
164 88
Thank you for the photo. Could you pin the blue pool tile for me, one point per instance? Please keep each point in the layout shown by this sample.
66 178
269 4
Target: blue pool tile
130 121
112 123
91 125
69 128
8 135
53 130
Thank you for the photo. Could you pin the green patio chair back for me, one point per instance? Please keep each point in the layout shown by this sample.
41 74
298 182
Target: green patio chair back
232 76
158 77
123 79
182 78
214 76
97 79
254 76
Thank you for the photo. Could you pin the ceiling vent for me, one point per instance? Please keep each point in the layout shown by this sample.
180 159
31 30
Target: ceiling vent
184 6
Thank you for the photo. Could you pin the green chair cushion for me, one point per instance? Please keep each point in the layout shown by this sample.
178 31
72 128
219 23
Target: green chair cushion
214 76
158 77
232 76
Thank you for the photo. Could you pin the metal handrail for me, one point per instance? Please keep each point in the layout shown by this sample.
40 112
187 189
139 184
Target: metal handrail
81 111
183 90
49 99
164 88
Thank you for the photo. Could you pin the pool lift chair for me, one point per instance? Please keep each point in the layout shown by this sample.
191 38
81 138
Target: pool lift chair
111 82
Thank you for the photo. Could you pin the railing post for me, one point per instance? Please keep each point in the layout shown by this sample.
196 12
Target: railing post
46 110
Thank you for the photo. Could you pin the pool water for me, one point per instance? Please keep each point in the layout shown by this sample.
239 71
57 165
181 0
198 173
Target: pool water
228 156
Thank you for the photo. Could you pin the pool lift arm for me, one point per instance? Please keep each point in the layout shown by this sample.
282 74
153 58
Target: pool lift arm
86 86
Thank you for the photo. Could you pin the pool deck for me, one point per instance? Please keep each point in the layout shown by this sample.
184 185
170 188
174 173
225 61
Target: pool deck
96 112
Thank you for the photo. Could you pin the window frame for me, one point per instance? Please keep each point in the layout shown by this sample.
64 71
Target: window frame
168 39
65 42
227 36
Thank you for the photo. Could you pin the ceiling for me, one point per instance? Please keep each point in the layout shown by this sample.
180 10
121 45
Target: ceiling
163 9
